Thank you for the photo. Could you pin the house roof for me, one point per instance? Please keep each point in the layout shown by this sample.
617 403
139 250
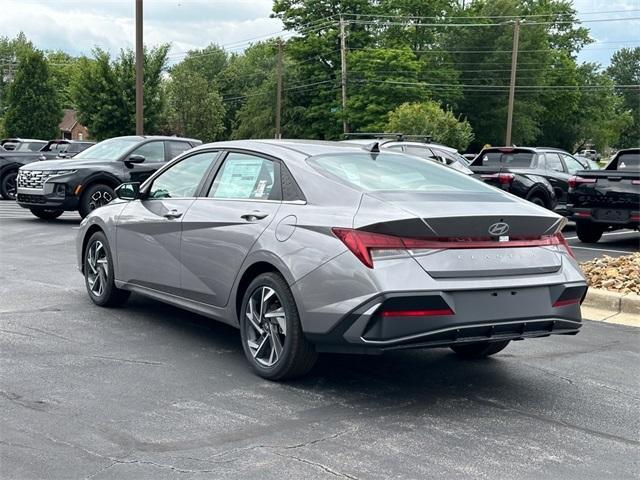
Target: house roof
68 120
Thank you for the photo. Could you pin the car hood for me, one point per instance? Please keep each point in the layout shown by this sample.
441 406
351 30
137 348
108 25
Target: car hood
70 164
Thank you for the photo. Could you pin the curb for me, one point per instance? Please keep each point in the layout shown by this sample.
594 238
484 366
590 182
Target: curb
613 307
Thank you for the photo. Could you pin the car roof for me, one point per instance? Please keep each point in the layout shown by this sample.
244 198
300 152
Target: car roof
390 141
160 137
306 148
15 139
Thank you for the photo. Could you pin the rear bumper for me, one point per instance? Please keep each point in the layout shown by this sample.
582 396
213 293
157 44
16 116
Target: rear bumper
617 217
476 316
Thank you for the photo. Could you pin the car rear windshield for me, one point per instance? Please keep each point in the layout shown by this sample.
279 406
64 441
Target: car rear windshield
393 172
507 159
629 162
111 149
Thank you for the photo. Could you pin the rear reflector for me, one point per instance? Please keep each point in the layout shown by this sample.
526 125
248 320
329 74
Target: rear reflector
417 313
583 214
635 182
635 217
566 302
361 243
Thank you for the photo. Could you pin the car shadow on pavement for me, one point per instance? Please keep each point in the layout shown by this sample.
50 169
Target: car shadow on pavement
407 378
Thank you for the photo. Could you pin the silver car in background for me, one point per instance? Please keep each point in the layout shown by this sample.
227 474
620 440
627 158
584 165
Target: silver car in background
312 247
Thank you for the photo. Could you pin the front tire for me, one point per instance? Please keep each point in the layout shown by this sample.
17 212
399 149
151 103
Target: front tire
588 232
46 213
272 337
99 273
95 196
8 185
479 349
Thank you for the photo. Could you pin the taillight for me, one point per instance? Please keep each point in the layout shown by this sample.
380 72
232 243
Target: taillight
502 178
362 243
563 241
635 182
564 303
575 180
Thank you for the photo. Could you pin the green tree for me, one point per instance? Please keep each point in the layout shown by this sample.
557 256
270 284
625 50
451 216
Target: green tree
430 119
62 67
625 70
195 110
11 50
33 107
103 91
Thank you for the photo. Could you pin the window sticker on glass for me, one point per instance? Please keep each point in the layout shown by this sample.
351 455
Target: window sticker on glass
243 176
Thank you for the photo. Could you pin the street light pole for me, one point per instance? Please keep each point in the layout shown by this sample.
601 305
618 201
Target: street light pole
343 74
512 85
139 71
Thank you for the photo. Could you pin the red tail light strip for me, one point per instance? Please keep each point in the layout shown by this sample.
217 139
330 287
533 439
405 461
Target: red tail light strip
574 181
360 243
564 303
417 313
503 178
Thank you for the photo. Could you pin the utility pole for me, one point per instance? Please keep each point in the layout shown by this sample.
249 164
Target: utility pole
279 69
512 85
139 71
343 74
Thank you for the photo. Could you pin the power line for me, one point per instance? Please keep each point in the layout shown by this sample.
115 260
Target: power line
524 16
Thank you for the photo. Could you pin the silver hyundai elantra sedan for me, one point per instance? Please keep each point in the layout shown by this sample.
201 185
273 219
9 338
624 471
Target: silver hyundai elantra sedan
311 247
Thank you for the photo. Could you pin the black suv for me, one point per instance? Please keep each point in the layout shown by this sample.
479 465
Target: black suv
88 180
540 175
12 160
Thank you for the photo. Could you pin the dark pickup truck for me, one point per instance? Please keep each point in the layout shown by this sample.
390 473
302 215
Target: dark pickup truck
11 161
540 175
607 199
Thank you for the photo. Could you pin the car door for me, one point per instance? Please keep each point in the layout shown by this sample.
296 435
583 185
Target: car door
154 158
557 176
220 228
149 229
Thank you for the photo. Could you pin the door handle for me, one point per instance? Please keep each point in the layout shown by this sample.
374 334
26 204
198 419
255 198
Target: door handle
255 215
171 214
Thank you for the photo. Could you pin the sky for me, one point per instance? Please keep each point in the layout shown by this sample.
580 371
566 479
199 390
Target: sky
77 26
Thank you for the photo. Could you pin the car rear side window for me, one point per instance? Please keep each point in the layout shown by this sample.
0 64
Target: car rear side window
394 172
554 162
182 179
246 177
508 159
176 148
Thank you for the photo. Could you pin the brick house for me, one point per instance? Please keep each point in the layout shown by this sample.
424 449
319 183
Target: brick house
70 128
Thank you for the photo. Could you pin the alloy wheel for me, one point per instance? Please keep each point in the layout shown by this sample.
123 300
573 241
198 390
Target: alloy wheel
266 328
98 268
11 185
99 198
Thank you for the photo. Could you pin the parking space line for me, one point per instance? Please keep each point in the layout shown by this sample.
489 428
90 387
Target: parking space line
602 249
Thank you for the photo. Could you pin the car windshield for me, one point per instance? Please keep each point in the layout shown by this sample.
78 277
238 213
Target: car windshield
111 149
629 161
393 172
509 159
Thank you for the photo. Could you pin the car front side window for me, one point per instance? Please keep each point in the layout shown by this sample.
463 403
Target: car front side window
152 151
246 177
182 179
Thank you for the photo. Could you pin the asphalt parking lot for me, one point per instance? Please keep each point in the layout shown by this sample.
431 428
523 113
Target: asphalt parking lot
149 391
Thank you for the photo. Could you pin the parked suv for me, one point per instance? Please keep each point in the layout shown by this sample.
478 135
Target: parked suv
540 175
12 160
88 180
22 144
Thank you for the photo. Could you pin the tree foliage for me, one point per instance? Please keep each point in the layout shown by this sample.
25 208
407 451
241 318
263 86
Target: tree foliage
625 70
103 91
33 107
429 119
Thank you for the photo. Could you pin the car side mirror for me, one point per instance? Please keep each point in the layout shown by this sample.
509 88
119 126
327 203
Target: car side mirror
134 159
128 191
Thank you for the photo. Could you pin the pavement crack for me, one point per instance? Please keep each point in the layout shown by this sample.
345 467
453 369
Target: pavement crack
49 333
318 465
16 333
128 360
608 436
38 405
101 470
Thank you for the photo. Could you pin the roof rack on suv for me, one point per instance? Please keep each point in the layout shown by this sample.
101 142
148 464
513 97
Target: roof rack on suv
398 137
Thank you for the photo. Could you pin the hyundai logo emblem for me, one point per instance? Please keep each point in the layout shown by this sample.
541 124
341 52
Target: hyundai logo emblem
498 229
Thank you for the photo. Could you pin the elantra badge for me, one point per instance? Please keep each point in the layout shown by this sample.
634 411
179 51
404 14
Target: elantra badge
498 229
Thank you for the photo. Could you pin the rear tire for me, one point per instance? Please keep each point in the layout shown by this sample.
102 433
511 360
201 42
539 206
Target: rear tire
538 201
8 185
99 273
274 352
95 196
46 213
588 232
479 349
